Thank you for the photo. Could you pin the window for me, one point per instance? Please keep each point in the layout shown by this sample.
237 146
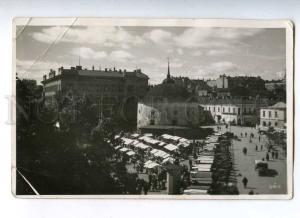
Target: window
152 122
270 124
214 109
228 109
264 123
218 109
276 114
239 111
276 123
234 110
270 113
223 110
264 113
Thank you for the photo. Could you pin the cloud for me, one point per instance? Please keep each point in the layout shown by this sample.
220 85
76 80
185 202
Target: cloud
216 52
197 53
88 53
120 55
158 36
29 69
222 66
103 36
212 37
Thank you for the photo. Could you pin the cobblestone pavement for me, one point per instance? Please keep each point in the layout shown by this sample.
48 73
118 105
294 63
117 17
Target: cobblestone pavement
245 164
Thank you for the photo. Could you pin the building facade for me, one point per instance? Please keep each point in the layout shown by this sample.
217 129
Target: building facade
236 111
169 104
107 88
273 116
95 83
219 83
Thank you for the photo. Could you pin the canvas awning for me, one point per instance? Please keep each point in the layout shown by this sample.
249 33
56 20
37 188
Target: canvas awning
135 135
126 141
160 153
170 147
124 149
175 138
130 153
142 146
153 151
161 144
151 165
168 159
166 136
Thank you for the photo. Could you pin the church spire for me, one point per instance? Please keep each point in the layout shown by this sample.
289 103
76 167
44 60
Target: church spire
168 79
168 75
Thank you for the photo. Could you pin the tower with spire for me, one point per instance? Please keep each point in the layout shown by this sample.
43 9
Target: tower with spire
168 79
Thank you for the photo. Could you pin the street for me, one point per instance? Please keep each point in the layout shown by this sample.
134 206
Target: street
245 164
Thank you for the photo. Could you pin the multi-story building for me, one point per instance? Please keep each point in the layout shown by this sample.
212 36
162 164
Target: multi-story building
109 85
194 86
237 111
219 83
273 116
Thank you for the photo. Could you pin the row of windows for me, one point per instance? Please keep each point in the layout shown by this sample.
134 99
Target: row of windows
270 114
230 110
269 123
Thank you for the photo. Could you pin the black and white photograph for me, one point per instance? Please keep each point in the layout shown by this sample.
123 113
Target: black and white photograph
153 108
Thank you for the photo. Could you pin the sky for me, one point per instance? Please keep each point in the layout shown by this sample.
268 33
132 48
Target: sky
195 52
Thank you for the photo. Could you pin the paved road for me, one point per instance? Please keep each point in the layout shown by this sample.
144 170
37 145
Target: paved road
245 166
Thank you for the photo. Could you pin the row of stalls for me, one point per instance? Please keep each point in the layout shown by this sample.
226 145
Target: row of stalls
153 152
201 172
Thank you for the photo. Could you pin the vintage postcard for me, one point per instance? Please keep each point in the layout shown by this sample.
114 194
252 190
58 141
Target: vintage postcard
152 108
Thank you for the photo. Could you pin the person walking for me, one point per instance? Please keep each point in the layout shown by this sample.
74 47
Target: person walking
261 147
256 147
273 155
245 151
267 156
145 187
245 182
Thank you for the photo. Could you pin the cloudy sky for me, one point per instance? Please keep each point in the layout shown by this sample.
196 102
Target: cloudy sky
194 52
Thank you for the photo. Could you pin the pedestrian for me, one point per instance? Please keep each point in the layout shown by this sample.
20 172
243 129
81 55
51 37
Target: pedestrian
261 147
245 182
267 156
259 138
245 151
145 187
256 147
273 155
